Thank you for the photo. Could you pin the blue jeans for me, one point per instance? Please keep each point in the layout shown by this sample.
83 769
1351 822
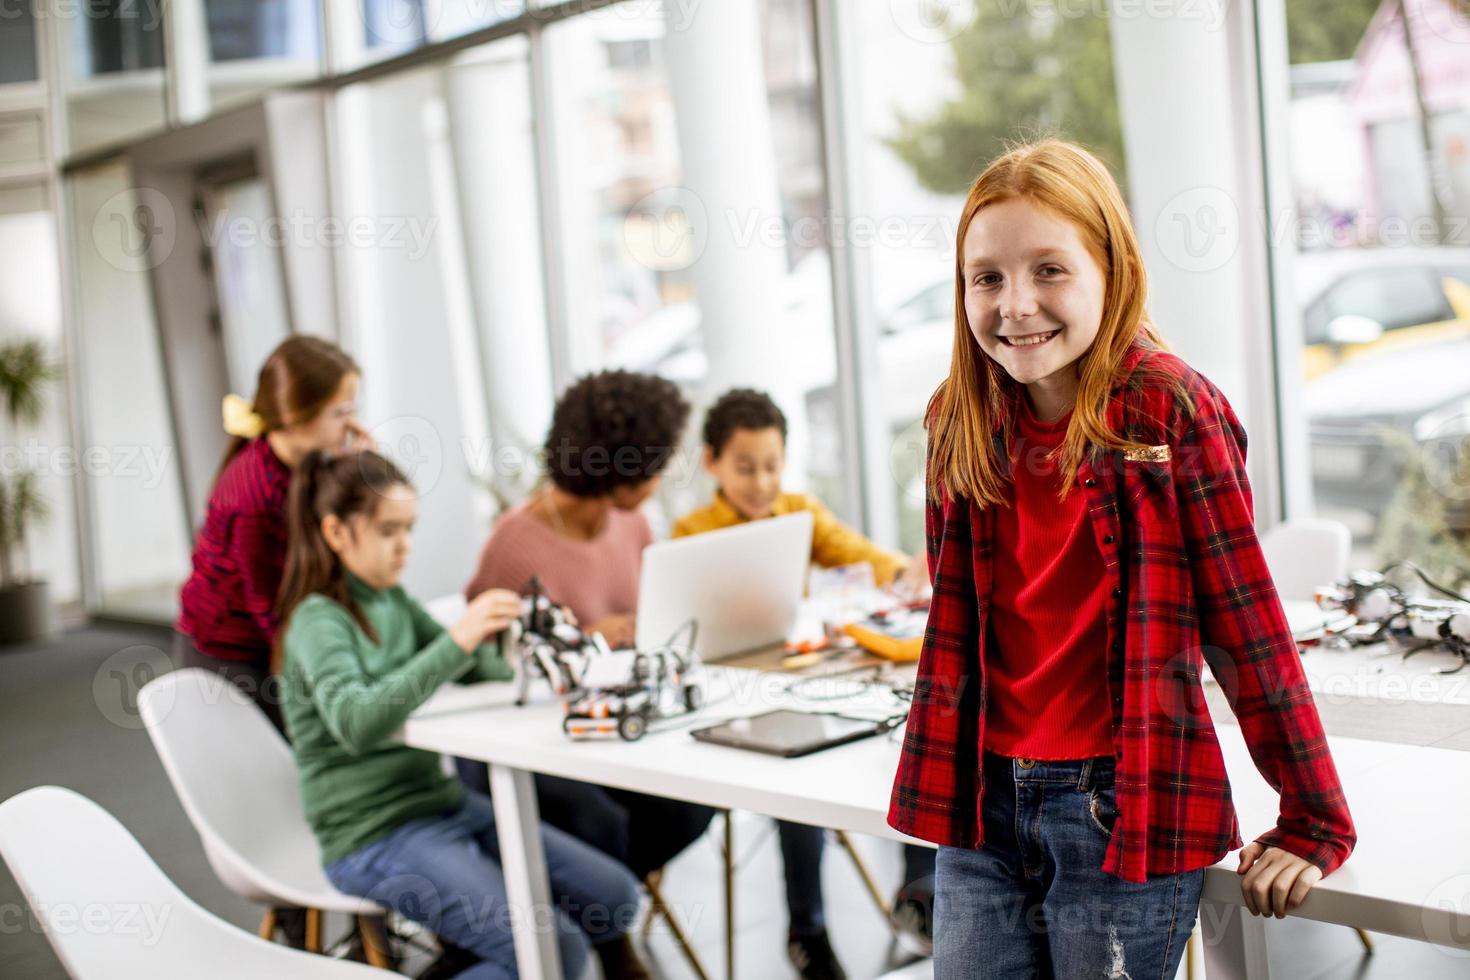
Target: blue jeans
444 872
1032 901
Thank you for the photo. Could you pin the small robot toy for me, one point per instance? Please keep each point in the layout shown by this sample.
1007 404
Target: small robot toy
624 691
604 691
1383 612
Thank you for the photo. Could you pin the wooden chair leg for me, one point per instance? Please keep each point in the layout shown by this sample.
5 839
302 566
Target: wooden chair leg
652 883
1365 940
729 895
375 941
268 925
865 874
313 930
661 909
1189 971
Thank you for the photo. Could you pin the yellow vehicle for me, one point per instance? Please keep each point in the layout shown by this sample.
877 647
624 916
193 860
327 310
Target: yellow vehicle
1360 303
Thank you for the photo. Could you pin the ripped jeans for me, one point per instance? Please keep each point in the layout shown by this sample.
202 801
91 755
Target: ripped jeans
1033 901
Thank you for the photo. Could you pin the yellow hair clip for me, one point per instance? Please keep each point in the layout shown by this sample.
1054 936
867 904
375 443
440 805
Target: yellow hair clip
241 419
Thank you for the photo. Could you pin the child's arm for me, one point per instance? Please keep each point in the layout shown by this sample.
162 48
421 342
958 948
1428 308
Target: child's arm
1248 643
358 709
488 663
834 544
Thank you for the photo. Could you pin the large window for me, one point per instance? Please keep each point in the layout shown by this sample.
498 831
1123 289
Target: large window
394 26
445 305
112 71
30 307
257 45
939 89
1380 177
653 242
18 43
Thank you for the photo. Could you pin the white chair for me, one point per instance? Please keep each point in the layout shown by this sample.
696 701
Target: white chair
237 780
1303 554
111 913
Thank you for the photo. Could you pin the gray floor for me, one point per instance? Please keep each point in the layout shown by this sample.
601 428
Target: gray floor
67 718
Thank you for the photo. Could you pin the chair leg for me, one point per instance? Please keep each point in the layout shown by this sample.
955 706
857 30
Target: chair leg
661 908
375 941
730 895
268 925
652 883
1365 940
1189 954
865 874
313 930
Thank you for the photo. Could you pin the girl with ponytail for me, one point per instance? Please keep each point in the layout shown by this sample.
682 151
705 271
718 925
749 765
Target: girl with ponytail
357 657
305 400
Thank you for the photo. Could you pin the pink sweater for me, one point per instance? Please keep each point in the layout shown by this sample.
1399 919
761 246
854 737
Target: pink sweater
596 578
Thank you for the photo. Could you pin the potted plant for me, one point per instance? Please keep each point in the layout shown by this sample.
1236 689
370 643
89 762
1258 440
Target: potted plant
25 602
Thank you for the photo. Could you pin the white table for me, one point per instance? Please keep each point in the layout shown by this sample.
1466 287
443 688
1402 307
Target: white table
1410 875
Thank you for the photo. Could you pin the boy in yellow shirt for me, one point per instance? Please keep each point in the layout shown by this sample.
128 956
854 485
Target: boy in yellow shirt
745 451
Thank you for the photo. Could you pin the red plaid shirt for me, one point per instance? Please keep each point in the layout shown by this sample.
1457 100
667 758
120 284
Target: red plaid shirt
1189 585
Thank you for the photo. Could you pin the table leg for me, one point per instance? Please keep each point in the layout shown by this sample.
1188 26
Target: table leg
1234 942
522 860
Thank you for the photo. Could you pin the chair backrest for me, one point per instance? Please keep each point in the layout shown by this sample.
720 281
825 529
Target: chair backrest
1304 554
237 780
110 912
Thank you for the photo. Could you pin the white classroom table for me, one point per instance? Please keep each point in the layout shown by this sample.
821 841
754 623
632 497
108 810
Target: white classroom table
1409 876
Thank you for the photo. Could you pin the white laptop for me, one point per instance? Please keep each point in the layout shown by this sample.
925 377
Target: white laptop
742 585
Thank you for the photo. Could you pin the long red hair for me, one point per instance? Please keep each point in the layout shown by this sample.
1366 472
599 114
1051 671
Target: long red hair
979 398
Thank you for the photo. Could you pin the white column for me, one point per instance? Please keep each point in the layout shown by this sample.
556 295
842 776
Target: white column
1190 131
186 46
489 104
729 170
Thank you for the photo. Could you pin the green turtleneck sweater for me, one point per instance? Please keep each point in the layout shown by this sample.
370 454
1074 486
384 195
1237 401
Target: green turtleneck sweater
345 694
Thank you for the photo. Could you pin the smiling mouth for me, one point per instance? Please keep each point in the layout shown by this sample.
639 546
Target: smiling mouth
1030 339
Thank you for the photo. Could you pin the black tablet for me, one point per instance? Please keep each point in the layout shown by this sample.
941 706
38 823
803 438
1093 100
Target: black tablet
789 733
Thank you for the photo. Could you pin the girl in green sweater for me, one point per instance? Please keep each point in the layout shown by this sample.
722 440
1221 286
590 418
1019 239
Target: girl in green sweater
359 656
